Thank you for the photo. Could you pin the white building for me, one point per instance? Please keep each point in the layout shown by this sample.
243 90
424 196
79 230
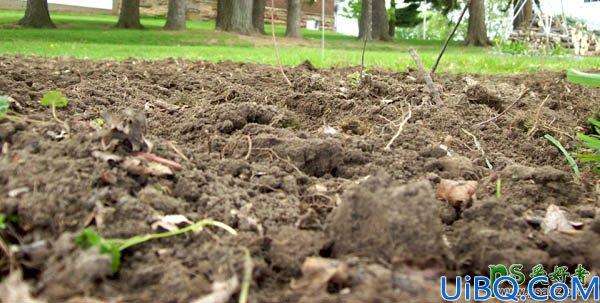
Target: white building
101 4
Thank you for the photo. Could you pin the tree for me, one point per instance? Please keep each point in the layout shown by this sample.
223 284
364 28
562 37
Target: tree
293 19
392 19
476 31
129 17
176 15
523 18
364 22
258 15
37 15
237 16
220 14
380 27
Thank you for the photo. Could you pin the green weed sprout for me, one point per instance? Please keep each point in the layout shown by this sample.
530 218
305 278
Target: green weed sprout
4 106
591 142
89 238
568 156
2 221
54 99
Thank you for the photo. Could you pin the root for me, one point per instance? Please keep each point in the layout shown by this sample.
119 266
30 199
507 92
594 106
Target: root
247 279
275 43
286 161
177 151
249 148
405 119
506 110
435 94
537 117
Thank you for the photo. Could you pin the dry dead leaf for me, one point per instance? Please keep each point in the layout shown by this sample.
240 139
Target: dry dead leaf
171 222
13 289
221 291
457 193
555 220
318 272
137 166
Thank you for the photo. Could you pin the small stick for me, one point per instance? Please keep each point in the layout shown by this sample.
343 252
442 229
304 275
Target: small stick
406 118
537 117
247 279
362 61
177 151
437 61
478 146
275 43
154 158
435 95
288 162
249 148
506 110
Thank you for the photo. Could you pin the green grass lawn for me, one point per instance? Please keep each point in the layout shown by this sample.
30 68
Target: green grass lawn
93 36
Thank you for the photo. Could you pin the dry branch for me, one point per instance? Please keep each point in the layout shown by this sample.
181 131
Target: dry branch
435 94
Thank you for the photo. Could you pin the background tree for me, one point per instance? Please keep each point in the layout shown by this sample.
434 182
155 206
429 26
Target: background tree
258 15
176 15
523 18
37 15
380 26
476 30
129 17
364 22
392 19
293 19
220 12
237 16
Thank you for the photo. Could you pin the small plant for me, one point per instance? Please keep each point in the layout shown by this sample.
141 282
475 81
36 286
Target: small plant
2 221
54 99
591 142
4 106
89 238
568 156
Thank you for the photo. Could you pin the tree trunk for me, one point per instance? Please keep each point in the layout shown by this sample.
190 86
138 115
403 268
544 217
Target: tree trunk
37 15
130 14
220 14
380 29
527 14
476 32
392 20
293 19
176 15
258 15
238 17
364 24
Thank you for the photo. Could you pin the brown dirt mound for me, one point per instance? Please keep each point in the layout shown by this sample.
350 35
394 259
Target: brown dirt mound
327 213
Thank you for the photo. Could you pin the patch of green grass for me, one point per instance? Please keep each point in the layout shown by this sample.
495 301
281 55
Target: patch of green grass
591 143
565 153
94 36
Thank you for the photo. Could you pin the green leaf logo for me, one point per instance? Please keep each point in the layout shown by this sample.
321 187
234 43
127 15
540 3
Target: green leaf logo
55 99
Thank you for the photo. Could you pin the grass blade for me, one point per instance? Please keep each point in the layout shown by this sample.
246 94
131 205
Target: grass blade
586 79
568 156
590 141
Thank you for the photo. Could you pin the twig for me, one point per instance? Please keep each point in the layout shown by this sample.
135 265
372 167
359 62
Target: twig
288 162
400 127
506 110
13 264
435 95
362 60
249 148
177 151
247 279
275 43
537 117
437 61
154 158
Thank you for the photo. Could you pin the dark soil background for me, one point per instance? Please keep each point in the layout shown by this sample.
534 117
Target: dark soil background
298 171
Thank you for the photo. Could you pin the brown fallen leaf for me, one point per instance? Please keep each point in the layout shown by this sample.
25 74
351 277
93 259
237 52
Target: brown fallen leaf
555 220
457 193
14 289
221 291
137 166
318 272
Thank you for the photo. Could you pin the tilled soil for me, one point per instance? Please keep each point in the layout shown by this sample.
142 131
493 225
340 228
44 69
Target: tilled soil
327 213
